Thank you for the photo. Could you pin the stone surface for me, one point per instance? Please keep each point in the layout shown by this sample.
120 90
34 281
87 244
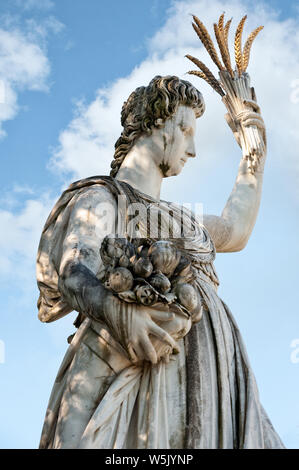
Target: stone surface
135 376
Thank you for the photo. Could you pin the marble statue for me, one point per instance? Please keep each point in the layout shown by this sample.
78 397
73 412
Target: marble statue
157 360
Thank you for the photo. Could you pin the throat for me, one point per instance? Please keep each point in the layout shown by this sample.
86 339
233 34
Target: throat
141 173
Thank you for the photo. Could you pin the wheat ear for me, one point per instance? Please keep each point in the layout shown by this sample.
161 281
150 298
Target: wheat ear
247 47
220 22
202 67
238 45
202 75
205 38
223 49
226 31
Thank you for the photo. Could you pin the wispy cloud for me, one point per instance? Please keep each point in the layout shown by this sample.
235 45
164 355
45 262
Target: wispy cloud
24 64
35 4
86 145
20 236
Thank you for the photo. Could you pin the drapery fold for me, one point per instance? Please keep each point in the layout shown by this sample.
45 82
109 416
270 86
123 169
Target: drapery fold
209 391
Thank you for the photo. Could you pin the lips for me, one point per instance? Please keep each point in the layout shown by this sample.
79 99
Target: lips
183 160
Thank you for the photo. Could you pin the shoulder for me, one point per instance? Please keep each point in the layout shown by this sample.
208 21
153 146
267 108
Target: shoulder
87 192
92 207
94 188
95 194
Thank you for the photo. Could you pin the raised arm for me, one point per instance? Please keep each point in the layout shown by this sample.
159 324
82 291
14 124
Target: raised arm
231 231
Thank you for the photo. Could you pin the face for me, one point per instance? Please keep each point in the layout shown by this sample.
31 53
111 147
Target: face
173 144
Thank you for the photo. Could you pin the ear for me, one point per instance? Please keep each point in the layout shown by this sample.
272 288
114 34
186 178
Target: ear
159 123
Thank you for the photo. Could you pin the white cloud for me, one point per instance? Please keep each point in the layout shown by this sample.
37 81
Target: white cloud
37 4
86 146
19 236
24 64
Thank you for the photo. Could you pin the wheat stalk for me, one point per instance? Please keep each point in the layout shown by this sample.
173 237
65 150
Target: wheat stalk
209 77
202 66
247 47
223 49
238 45
214 85
233 87
205 38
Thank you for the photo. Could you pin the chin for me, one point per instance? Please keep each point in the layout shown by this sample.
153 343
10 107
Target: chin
174 171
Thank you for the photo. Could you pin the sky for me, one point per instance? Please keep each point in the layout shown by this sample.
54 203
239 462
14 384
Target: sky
65 69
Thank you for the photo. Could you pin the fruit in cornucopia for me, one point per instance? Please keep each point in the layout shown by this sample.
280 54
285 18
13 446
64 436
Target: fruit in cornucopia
124 261
184 273
187 296
120 280
183 267
143 267
160 282
142 250
113 249
164 256
145 295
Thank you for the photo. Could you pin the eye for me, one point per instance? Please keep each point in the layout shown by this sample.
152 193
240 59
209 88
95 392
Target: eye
186 130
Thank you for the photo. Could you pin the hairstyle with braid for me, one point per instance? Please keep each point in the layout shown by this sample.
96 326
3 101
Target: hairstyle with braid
150 106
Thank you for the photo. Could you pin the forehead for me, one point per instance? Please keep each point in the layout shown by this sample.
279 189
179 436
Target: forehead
185 115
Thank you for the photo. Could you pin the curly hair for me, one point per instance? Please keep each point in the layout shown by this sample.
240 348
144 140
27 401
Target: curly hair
150 106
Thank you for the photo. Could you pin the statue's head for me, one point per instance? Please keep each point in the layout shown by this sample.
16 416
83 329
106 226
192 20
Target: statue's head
165 111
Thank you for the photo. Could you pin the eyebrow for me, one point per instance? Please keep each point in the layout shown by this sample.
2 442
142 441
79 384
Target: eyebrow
185 126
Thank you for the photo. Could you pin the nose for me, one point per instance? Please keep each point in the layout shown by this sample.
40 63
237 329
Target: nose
190 150
191 155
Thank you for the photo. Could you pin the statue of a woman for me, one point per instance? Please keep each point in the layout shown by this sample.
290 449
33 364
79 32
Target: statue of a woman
136 376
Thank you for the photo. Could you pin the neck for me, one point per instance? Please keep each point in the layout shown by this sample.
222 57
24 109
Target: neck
140 171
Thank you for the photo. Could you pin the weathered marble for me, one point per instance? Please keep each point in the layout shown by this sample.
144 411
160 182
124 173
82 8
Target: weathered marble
120 384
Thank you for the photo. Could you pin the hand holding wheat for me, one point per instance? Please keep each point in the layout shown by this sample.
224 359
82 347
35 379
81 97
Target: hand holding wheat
234 86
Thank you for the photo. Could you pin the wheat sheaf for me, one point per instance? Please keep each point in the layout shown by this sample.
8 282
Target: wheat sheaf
221 31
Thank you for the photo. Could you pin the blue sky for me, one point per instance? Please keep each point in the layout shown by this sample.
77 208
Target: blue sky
67 67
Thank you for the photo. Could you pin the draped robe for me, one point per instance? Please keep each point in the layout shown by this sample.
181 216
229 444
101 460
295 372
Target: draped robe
206 396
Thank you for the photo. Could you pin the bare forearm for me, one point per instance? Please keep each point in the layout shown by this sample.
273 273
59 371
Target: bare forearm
241 209
231 231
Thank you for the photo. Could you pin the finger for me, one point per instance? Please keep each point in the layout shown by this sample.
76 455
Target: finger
254 105
253 94
230 122
162 335
237 137
166 357
253 122
161 315
149 350
139 352
244 115
197 316
132 353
